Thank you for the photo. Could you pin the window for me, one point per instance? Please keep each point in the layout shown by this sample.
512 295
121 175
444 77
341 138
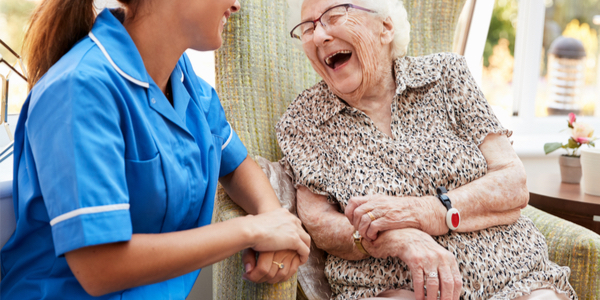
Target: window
569 78
498 57
521 100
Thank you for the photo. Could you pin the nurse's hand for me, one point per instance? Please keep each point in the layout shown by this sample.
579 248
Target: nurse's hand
265 270
279 230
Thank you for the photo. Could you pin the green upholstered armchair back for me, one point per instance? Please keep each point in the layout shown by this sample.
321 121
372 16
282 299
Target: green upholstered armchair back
260 71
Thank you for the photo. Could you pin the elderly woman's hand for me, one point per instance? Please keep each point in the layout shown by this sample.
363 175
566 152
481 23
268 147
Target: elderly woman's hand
371 215
423 256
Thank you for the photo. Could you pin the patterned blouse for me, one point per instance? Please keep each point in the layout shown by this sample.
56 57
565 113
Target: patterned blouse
439 118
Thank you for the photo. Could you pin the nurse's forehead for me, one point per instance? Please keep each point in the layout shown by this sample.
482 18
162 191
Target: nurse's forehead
312 9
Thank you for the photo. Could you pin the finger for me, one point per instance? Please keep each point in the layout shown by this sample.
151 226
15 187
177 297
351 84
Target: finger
418 282
263 266
293 268
304 236
353 203
281 273
433 285
446 282
457 276
374 229
303 249
273 276
248 259
365 221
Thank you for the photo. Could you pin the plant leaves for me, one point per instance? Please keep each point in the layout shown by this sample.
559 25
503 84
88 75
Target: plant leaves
549 147
573 144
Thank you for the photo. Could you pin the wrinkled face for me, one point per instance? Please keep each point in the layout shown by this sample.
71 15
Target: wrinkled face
346 56
204 21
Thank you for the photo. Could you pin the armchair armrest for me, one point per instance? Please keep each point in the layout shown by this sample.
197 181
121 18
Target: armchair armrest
573 246
227 274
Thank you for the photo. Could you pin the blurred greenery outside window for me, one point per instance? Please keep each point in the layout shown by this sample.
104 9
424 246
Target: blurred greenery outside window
568 18
14 15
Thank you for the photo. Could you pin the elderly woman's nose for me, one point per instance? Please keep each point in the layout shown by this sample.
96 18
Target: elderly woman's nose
320 35
236 6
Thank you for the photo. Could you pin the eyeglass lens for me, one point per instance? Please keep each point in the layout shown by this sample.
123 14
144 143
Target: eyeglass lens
333 17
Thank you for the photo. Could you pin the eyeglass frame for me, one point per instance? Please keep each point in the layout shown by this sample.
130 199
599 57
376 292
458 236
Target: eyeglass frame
314 22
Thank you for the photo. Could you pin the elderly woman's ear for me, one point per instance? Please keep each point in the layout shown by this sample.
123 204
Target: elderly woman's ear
387 32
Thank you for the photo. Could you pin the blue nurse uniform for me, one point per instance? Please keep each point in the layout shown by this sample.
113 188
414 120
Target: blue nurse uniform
101 154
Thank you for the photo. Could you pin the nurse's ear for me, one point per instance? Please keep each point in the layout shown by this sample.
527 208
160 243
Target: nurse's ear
387 31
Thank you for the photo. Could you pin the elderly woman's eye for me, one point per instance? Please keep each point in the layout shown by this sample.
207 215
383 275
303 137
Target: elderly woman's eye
336 18
307 30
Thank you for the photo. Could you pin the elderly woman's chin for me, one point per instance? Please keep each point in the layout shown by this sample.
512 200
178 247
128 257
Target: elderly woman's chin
344 79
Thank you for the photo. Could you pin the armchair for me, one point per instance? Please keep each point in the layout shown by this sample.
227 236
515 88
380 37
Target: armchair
260 71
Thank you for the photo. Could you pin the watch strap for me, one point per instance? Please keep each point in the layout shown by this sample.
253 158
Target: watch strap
358 242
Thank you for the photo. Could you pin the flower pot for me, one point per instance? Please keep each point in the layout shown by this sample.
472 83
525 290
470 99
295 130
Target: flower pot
570 169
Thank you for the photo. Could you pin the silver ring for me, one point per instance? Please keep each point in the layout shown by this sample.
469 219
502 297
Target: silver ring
432 275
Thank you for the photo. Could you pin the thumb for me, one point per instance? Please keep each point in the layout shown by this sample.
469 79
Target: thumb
249 260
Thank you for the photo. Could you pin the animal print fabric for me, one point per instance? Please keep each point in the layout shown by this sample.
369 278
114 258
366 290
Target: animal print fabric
439 118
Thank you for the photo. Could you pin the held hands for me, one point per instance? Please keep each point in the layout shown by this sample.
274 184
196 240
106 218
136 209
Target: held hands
282 244
271 267
433 268
371 215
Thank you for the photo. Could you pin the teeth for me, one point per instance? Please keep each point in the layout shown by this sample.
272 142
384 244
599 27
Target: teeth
328 59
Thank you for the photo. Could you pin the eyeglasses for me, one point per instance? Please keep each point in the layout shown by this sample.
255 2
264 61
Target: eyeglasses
334 16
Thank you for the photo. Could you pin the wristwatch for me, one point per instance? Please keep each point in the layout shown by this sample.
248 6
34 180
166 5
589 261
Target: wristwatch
358 241
452 216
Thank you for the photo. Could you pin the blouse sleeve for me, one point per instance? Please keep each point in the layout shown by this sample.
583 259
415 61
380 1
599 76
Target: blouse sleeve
471 116
303 157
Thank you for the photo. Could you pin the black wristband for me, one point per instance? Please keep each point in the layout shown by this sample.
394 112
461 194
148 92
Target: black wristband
452 214
441 194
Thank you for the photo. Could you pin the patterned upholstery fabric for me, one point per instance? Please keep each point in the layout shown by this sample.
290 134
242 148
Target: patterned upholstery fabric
260 70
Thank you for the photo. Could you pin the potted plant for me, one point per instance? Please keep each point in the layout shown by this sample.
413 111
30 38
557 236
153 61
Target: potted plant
570 166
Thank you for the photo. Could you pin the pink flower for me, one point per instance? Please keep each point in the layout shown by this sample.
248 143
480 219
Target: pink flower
582 140
571 119
582 132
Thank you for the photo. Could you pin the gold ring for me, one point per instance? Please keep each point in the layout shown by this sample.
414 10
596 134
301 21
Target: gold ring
280 265
371 216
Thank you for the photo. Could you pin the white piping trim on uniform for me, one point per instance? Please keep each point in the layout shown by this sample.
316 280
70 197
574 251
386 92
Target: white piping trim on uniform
182 77
138 82
88 210
229 138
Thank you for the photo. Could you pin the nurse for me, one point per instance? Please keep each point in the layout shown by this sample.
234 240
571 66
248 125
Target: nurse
118 150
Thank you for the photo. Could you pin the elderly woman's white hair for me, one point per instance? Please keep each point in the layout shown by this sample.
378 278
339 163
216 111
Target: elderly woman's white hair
385 8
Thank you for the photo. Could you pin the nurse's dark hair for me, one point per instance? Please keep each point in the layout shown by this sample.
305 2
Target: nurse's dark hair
54 28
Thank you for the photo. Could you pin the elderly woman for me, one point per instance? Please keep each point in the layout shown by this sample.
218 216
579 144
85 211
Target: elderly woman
406 152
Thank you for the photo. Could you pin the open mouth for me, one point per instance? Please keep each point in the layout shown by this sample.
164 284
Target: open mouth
338 59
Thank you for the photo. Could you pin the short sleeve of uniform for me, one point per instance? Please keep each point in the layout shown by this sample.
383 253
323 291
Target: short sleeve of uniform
472 117
233 151
73 131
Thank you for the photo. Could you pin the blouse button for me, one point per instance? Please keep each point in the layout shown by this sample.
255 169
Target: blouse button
461 246
476 285
153 101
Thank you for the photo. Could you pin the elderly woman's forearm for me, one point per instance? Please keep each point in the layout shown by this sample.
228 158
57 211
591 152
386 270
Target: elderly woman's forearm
330 230
497 197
